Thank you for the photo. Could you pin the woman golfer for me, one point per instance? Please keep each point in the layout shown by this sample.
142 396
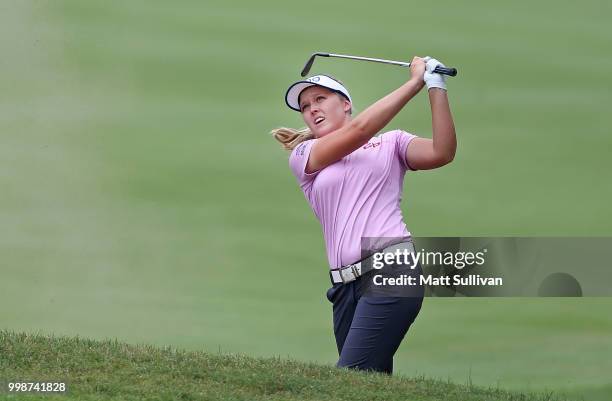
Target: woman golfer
353 181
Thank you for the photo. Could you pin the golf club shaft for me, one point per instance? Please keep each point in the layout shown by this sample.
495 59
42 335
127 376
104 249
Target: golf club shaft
440 70
376 60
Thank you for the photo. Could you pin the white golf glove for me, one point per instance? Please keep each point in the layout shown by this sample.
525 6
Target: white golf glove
432 79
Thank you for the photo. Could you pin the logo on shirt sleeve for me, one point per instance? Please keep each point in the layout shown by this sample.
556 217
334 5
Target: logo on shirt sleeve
371 145
300 149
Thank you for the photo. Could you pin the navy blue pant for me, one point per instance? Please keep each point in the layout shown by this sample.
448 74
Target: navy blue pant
369 329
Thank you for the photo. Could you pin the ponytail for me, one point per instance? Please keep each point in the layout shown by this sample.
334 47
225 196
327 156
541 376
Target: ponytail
289 138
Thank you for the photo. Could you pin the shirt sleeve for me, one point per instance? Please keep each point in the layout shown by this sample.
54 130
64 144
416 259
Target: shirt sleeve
403 139
297 162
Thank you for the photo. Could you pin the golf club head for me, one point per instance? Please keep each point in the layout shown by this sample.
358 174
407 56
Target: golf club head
310 61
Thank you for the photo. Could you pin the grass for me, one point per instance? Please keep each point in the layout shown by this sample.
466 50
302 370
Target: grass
112 370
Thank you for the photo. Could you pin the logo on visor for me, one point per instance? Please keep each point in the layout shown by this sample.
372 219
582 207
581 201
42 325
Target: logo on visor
313 79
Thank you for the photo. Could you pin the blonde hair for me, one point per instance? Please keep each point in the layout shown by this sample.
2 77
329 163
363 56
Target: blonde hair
289 138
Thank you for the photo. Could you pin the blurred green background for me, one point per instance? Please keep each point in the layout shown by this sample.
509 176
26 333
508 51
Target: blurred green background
142 198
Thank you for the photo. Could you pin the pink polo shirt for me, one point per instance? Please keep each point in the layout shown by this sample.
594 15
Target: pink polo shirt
358 196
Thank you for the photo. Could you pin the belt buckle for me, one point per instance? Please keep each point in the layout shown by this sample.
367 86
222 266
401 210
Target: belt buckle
355 272
352 269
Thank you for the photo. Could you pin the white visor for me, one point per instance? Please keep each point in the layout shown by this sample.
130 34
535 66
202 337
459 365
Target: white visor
293 93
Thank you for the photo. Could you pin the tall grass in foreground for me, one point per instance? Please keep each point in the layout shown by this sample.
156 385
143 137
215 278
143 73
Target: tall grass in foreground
111 370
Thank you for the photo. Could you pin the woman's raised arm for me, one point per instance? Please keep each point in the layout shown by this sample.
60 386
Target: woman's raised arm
426 154
334 146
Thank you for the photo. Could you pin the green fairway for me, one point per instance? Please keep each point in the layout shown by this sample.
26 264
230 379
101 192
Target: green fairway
143 198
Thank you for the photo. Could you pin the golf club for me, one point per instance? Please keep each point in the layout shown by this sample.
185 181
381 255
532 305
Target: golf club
440 70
